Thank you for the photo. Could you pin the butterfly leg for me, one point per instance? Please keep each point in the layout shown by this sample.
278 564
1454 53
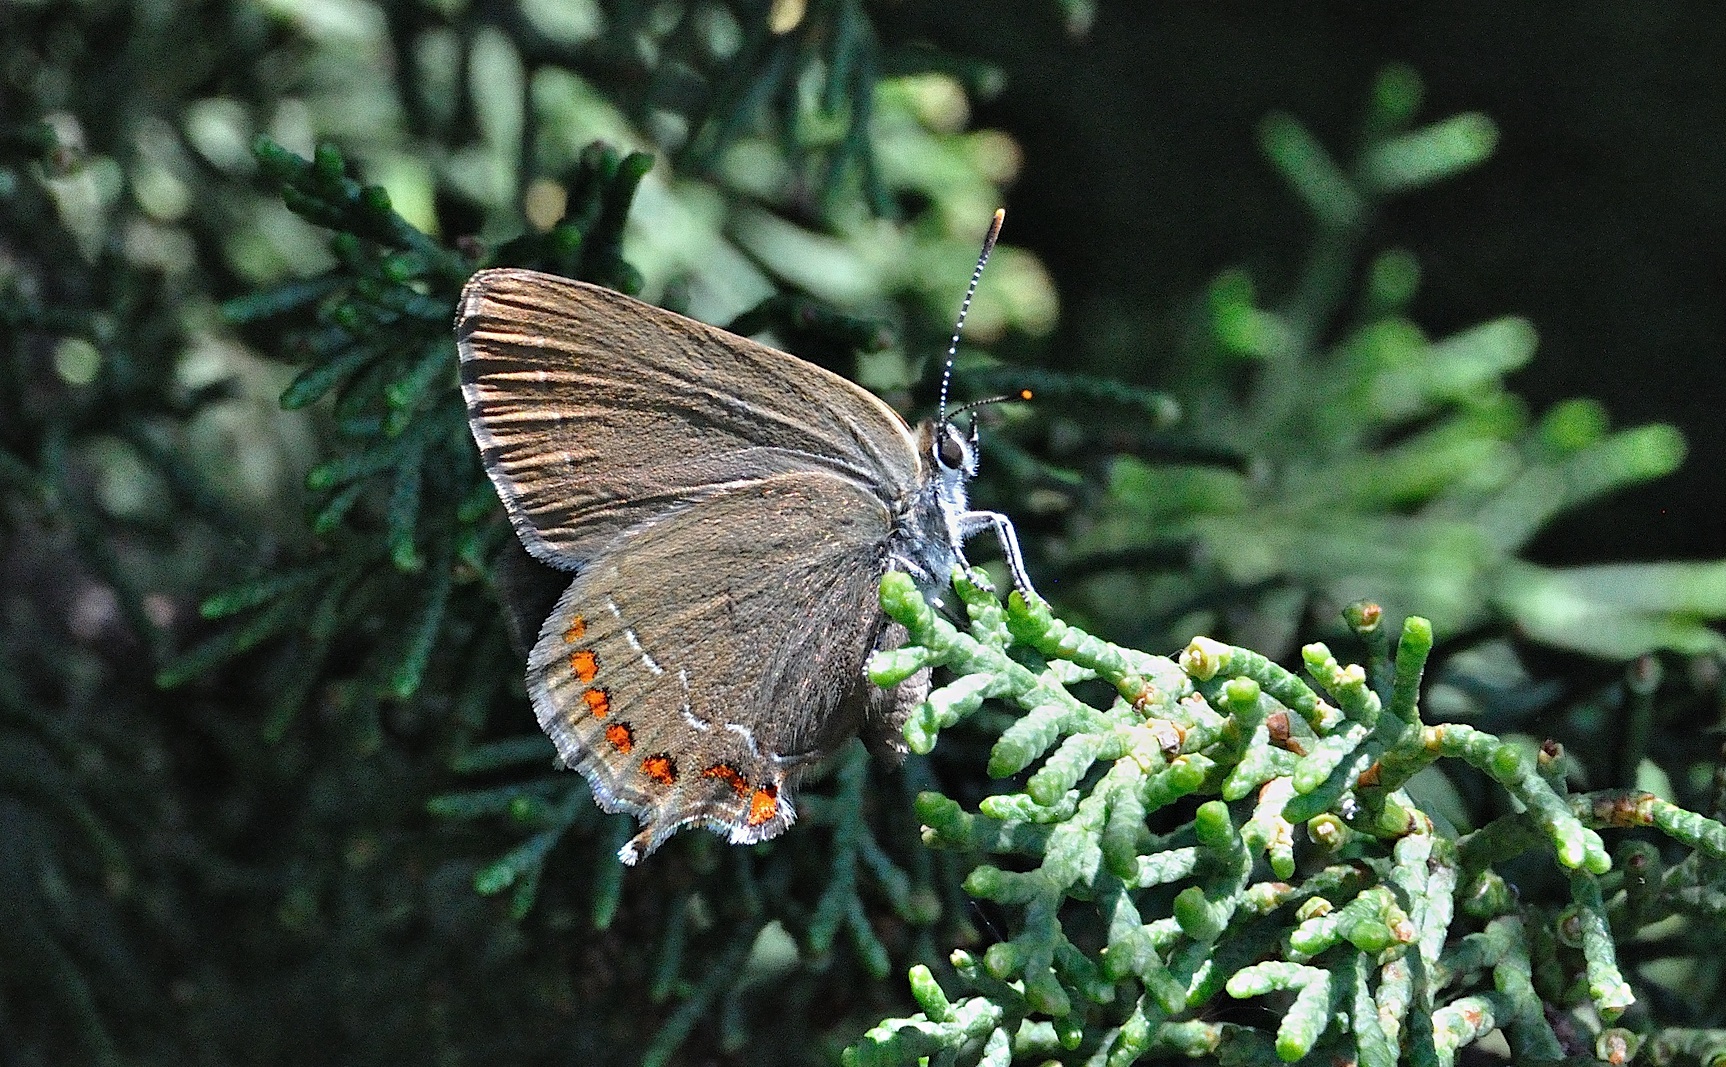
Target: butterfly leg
975 522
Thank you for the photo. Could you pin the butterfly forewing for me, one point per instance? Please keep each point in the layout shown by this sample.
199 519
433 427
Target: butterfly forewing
595 412
709 655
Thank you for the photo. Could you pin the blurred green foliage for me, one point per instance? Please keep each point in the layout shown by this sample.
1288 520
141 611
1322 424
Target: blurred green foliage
1338 452
233 461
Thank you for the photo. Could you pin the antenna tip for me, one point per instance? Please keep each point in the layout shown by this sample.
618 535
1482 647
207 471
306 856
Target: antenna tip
989 238
1024 394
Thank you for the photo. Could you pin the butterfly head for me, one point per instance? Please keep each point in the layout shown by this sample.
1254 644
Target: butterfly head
942 519
952 454
953 451
951 457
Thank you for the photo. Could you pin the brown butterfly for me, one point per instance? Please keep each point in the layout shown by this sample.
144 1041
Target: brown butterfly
724 513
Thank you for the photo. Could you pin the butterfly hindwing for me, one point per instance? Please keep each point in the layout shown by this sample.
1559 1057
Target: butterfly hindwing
708 656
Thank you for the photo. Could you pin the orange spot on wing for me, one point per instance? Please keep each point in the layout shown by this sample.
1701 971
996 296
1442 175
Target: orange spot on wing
598 701
728 774
763 805
621 736
585 665
660 768
577 630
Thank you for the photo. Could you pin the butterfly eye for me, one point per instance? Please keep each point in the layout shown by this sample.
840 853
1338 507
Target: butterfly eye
950 450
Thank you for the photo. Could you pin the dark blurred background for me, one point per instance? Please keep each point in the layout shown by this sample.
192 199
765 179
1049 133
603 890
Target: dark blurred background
1601 217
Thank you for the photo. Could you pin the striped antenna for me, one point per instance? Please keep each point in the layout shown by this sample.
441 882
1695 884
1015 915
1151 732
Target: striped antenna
965 307
973 405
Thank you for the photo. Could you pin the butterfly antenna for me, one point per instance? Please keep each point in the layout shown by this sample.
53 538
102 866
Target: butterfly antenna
965 306
973 405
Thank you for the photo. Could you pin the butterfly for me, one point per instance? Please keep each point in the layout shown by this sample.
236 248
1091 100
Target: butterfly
722 514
